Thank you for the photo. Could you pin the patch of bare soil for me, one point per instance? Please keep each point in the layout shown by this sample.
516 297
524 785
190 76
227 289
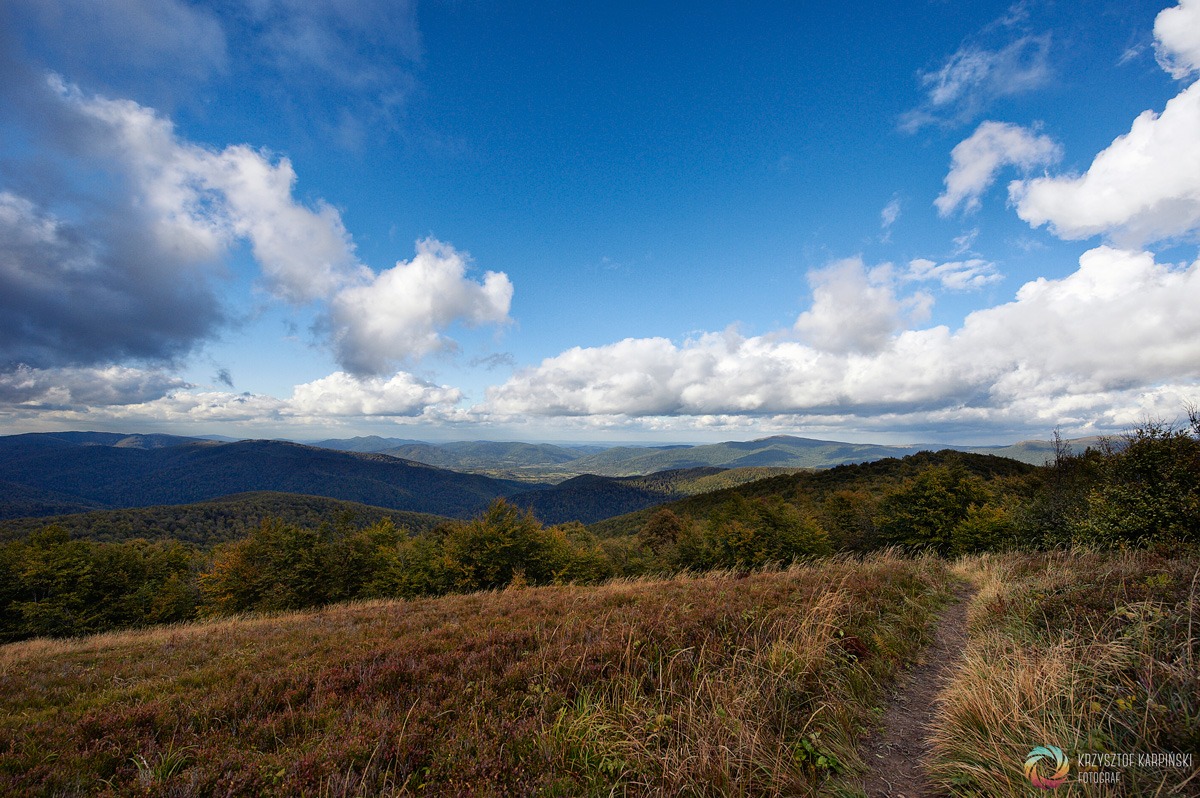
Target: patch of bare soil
895 753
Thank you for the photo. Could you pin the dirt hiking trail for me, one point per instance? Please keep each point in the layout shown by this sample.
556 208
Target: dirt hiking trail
896 751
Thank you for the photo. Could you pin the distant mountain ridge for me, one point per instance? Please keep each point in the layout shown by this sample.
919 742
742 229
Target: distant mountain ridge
82 473
363 444
121 440
44 474
557 462
90 473
489 455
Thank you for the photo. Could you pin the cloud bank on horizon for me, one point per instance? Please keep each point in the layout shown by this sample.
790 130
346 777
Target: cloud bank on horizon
131 248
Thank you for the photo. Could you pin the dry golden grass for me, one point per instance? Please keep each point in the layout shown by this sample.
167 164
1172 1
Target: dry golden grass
1090 652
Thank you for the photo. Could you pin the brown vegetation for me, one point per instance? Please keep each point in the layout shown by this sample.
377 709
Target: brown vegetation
723 684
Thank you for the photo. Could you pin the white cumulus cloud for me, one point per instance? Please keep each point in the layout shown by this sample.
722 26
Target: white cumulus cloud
854 309
975 162
341 394
1177 39
1143 187
398 314
1114 331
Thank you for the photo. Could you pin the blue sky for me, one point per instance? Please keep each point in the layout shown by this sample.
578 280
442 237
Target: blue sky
914 221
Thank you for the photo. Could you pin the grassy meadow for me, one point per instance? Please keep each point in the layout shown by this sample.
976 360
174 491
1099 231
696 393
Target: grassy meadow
726 683
722 684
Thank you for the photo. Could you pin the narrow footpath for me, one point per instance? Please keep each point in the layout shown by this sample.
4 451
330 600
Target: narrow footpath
895 753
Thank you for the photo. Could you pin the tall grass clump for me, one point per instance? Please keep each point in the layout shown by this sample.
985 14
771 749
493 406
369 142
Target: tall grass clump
1095 653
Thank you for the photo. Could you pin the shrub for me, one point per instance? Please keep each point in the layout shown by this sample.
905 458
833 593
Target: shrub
489 551
747 533
1148 489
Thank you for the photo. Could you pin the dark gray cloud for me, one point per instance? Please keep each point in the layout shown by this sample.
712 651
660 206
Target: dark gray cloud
76 296
28 389
113 229
86 277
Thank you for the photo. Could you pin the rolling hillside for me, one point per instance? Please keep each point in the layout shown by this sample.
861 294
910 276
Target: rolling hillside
817 484
216 520
109 476
590 498
657 687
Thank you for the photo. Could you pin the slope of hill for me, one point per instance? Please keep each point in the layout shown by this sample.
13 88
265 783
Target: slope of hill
216 520
816 484
17 501
489 455
113 477
664 687
589 498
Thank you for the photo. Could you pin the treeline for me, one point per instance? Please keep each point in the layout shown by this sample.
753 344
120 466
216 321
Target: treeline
1138 490
215 521
1144 489
53 585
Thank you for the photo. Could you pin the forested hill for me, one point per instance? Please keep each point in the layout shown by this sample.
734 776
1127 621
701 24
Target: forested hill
218 520
590 498
813 487
108 476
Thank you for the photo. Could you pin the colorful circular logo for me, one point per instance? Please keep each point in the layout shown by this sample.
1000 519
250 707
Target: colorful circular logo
1040 760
